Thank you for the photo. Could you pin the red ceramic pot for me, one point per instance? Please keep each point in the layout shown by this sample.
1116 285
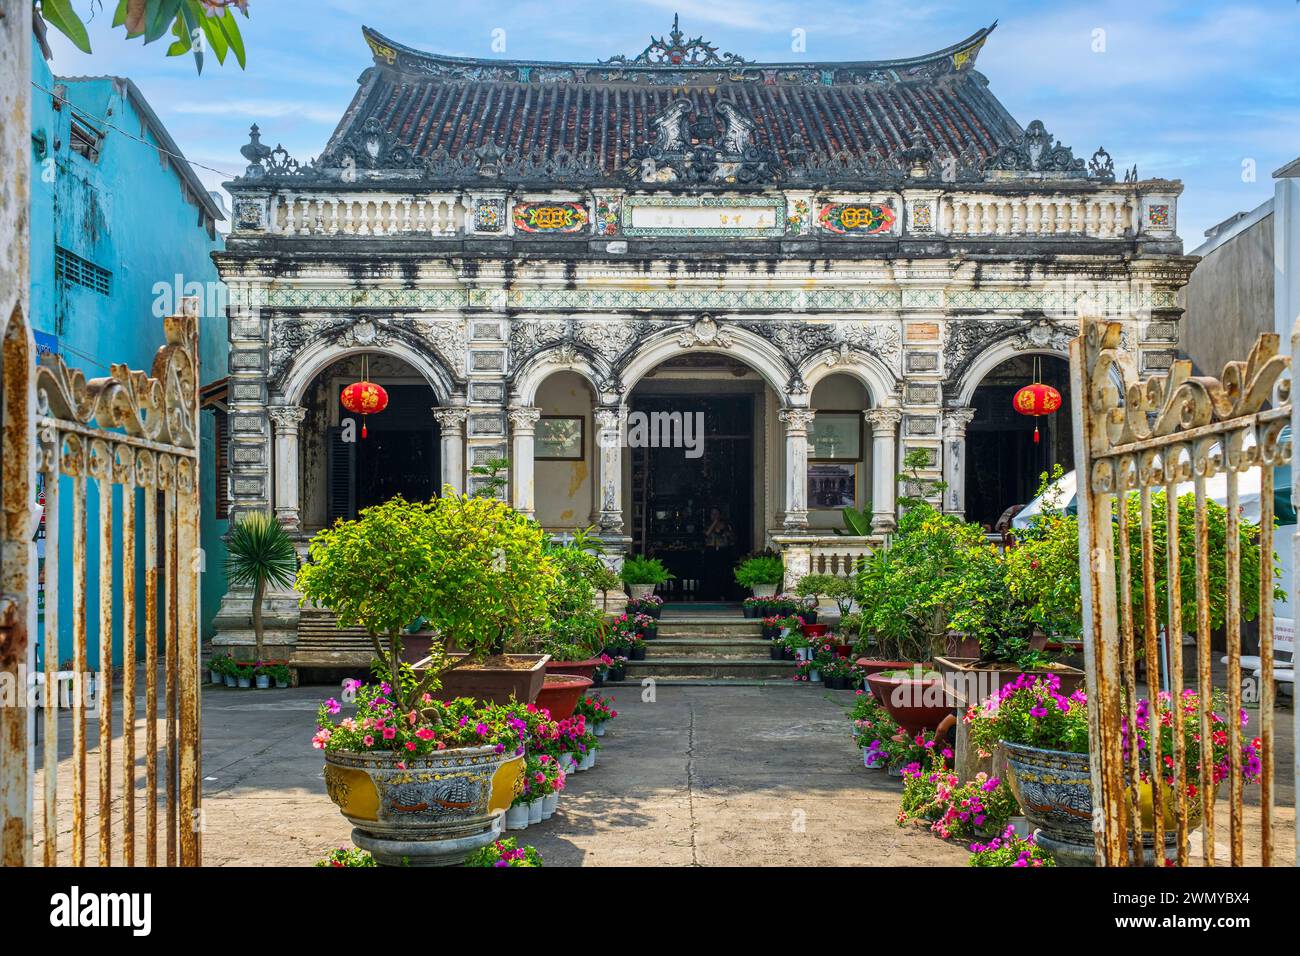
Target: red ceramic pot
815 631
915 705
871 665
585 668
560 693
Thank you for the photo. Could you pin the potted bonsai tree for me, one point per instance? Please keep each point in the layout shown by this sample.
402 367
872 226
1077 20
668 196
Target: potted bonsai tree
642 575
762 574
473 568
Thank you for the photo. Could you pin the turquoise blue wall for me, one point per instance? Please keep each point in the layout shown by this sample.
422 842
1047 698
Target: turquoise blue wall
128 213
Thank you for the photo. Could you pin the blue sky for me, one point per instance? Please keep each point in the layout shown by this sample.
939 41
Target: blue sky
1188 91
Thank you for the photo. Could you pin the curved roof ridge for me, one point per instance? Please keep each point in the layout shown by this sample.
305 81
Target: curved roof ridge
388 53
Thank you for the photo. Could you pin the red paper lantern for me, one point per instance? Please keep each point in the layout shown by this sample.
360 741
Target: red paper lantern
364 398
1037 399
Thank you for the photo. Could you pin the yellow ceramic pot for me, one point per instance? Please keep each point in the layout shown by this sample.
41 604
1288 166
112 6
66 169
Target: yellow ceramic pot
1170 816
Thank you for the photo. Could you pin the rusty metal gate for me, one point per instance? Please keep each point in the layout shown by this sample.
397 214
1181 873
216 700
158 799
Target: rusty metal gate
1135 439
134 437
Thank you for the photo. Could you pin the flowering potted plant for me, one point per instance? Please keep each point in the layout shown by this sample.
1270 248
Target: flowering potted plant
505 853
618 668
651 604
1008 849
872 725
217 667
933 794
347 856
574 629
1044 735
596 710
422 781
635 645
280 675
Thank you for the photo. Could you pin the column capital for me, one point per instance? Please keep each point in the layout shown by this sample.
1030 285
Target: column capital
883 419
286 418
609 417
450 417
797 419
955 421
523 417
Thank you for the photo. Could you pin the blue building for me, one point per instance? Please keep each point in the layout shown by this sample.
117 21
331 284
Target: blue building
121 228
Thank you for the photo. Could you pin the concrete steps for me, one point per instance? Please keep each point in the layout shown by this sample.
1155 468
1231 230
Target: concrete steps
718 647
708 668
709 647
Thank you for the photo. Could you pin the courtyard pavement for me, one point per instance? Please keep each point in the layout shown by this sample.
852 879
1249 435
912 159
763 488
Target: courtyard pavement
701 776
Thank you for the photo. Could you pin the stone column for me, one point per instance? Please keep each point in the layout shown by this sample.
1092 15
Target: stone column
523 424
796 422
884 466
451 423
609 465
955 421
286 419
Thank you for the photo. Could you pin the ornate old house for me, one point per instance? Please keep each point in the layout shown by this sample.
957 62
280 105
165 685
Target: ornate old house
676 287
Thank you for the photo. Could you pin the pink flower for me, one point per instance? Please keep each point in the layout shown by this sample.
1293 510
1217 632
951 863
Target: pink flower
424 733
368 740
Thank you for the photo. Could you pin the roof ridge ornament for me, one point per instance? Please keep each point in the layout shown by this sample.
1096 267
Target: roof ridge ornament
677 50
1039 153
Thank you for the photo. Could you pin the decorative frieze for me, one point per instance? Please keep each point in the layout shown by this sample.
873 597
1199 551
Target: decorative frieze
704 216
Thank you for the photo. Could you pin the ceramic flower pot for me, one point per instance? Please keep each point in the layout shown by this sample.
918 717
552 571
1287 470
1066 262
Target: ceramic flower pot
230 680
281 684
519 679
600 729
428 811
872 665
594 754
569 762
263 682
537 810
814 676
550 803
560 693
640 592
1054 790
517 817
638 653
245 682
916 704
764 590
586 761
214 677
585 668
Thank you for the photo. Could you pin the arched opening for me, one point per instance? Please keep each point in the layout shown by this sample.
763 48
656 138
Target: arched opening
563 472
342 472
1003 462
839 451
697 466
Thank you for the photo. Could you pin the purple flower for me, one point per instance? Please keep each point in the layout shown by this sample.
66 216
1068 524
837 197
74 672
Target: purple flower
332 706
1038 711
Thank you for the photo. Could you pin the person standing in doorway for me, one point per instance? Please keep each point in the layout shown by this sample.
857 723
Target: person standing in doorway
719 555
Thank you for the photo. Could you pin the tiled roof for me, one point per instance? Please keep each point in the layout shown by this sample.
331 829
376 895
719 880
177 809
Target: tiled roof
433 104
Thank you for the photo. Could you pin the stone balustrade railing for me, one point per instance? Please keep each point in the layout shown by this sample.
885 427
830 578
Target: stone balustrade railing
1113 212
1097 216
365 214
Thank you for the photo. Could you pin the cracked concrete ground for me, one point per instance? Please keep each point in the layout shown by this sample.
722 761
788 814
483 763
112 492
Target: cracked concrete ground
710 776
707 776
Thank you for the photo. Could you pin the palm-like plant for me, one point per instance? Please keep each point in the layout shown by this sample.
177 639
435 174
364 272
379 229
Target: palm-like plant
260 552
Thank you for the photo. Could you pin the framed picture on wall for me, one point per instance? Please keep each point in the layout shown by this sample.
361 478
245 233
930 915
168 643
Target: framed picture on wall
831 486
835 436
560 438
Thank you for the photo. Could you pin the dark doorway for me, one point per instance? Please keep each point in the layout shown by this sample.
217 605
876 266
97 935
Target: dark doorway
674 495
1003 462
398 456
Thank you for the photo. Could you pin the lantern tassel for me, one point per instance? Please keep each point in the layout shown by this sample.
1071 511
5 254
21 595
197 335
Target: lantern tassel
363 432
363 429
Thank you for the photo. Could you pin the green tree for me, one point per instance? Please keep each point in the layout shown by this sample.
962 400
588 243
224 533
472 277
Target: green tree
195 25
259 552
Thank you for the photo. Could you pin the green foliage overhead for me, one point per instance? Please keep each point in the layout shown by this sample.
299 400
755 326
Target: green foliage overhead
195 25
